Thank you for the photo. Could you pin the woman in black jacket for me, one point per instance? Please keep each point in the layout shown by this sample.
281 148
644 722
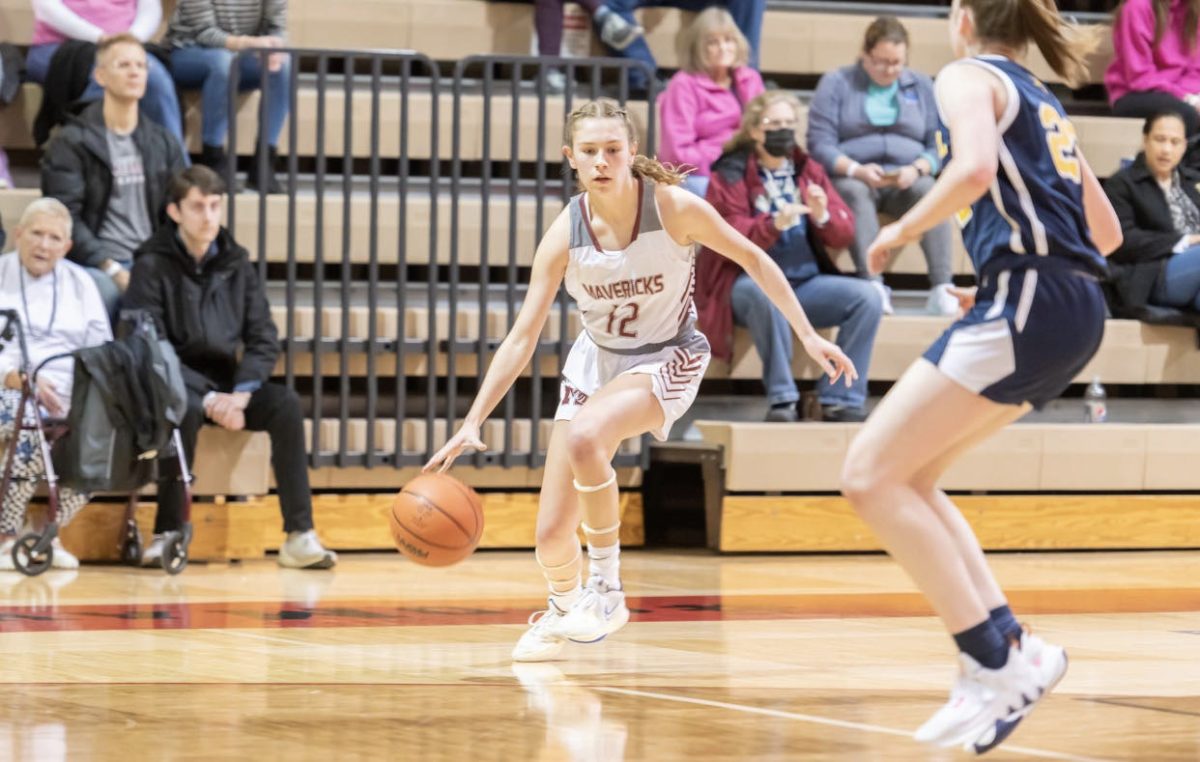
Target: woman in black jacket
1158 203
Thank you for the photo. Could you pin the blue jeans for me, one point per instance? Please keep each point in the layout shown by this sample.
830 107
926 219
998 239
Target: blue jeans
1179 283
747 14
208 70
697 184
160 102
110 295
850 304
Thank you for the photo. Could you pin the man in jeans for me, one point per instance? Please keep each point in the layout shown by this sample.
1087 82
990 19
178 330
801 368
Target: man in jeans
110 168
205 292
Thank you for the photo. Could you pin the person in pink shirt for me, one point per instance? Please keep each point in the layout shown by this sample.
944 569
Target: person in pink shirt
702 105
1156 66
92 20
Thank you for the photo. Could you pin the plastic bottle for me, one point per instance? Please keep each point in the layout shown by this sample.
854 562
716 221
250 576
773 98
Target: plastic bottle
1095 402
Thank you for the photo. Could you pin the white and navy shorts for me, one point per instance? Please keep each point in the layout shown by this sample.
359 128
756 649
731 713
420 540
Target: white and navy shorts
675 373
1029 334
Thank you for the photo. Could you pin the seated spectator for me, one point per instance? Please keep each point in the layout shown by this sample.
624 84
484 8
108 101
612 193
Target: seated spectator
204 290
60 311
772 192
548 19
1155 65
1158 203
872 125
747 14
702 105
205 35
92 21
111 170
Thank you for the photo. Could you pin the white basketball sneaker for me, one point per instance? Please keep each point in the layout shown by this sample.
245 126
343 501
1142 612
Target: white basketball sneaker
543 640
1049 663
600 612
980 698
62 558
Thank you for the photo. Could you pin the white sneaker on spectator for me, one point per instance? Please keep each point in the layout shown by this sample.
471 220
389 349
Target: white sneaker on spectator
885 297
152 553
941 301
618 33
6 559
556 81
543 640
62 558
302 550
600 612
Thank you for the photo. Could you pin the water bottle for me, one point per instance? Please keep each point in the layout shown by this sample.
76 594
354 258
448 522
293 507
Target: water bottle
1095 402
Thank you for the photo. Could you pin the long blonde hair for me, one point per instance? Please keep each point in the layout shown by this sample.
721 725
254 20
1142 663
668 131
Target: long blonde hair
692 42
643 166
752 117
1015 23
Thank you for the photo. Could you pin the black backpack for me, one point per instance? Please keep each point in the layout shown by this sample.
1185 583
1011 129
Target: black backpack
127 399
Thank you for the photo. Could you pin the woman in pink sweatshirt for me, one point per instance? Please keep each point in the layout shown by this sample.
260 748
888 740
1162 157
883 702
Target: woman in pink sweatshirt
702 105
1156 66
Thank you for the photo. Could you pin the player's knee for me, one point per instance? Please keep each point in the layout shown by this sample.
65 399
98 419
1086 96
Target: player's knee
859 480
585 442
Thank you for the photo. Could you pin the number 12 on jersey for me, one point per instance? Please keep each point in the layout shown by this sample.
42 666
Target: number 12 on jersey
1060 135
629 311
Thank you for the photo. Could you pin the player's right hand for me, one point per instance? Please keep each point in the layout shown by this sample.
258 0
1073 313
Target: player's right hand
466 438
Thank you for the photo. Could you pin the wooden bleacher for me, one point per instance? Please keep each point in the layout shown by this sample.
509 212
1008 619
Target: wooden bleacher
778 480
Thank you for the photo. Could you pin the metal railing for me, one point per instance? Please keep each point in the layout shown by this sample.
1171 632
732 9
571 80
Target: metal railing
343 160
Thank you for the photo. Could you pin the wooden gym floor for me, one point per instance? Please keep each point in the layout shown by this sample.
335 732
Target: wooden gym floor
756 658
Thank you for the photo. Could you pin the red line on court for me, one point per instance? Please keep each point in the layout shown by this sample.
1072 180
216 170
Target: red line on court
685 608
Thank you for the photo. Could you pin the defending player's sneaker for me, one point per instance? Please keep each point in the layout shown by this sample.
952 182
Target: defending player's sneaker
980 698
543 640
600 612
1049 663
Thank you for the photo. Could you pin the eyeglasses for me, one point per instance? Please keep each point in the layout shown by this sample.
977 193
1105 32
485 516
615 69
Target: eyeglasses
779 124
884 64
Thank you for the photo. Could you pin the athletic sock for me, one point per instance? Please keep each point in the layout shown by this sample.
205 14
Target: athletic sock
1005 622
985 644
605 563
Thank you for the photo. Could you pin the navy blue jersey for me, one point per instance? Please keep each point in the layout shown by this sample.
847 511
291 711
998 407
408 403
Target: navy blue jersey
1035 205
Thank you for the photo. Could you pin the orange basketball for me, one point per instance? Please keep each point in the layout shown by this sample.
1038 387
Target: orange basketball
436 520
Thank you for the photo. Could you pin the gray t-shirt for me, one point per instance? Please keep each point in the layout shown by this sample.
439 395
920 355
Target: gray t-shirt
127 222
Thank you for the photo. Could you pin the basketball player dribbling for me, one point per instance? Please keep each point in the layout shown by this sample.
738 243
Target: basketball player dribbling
625 248
1037 227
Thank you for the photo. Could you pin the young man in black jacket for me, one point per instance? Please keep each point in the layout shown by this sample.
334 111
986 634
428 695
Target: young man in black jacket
204 289
111 169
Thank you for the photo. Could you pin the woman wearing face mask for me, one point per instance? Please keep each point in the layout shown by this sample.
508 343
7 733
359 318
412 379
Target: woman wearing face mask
1157 200
773 193
872 126
702 105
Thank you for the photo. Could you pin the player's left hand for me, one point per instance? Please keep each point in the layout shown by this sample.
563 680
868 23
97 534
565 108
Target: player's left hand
890 238
965 297
831 358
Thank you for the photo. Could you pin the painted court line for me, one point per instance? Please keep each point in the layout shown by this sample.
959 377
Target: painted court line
824 721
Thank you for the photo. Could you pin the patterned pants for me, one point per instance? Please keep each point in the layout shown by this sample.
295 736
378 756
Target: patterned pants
28 468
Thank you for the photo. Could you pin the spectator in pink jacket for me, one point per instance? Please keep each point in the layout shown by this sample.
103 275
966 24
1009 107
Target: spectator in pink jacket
702 105
1156 66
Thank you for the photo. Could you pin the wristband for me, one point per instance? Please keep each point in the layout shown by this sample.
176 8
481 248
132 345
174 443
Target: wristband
113 268
850 170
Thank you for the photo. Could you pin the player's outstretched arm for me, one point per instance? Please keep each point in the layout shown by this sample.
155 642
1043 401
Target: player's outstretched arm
687 212
970 98
1102 219
549 265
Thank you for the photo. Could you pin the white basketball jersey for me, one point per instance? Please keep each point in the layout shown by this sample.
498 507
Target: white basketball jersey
638 297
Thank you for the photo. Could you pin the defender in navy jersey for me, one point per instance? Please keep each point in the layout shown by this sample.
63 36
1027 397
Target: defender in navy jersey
1037 226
